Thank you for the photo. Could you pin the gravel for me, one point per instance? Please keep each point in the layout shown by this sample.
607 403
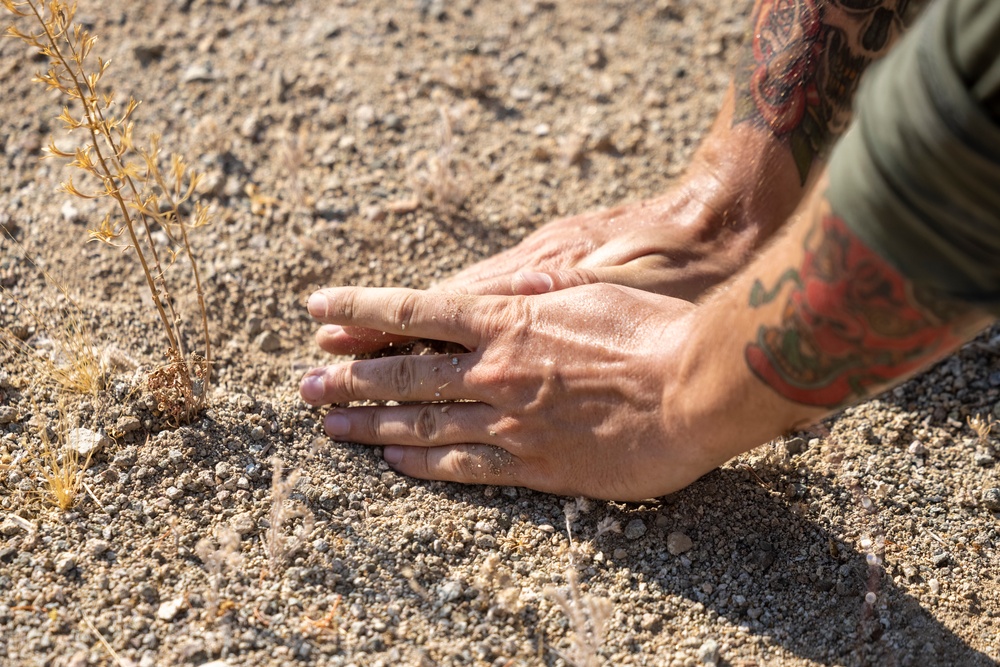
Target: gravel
322 107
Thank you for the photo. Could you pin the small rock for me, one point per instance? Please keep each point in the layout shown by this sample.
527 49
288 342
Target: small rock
678 543
251 127
648 621
128 423
392 122
149 52
940 559
7 415
365 115
243 524
935 586
8 225
70 213
268 342
98 548
10 527
983 458
254 326
86 442
168 610
450 591
620 554
795 446
917 448
375 213
709 652
198 73
635 529
173 493
991 499
65 565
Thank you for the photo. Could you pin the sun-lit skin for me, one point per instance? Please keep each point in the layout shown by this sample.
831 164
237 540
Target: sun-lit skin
651 394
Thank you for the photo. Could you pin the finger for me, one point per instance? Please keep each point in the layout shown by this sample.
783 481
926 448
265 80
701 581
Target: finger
467 464
403 378
428 425
403 312
355 340
528 283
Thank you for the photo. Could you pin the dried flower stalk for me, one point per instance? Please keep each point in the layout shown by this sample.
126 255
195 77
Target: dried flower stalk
130 176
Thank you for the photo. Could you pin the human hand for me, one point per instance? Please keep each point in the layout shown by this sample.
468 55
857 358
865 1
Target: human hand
572 392
673 245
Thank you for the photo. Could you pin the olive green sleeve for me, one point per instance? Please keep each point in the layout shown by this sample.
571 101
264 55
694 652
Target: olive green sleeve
917 177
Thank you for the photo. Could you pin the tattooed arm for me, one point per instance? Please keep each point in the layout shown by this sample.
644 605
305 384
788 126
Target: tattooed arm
817 322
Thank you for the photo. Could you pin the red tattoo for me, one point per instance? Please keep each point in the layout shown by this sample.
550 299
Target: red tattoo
786 50
850 324
799 78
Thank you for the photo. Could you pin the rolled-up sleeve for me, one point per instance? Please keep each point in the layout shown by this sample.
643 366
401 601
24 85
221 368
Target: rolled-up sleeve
917 176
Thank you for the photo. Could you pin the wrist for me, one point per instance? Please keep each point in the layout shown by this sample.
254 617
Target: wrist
746 178
713 398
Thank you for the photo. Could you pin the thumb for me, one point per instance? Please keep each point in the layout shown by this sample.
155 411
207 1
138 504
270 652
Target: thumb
527 283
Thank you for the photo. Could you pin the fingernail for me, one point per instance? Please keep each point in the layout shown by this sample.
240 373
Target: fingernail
312 388
317 304
535 283
337 424
392 454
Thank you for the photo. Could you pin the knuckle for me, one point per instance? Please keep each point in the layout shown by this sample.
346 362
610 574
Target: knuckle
425 426
402 376
402 307
347 305
344 381
371 426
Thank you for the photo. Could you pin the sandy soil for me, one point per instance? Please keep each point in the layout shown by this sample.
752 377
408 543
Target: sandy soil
873 540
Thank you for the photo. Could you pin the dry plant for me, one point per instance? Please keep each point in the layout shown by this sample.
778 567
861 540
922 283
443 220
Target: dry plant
588 614
442 181
118 660
293 156
981 427
67 356
130 177
280 544
59 462
219 554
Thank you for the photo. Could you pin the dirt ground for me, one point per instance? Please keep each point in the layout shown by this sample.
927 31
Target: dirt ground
873 540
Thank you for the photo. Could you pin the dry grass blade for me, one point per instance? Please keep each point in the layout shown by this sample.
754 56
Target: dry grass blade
59 460
284 510
588 614
69 358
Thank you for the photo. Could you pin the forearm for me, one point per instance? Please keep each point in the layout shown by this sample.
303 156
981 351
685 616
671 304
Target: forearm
818 321
790 101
